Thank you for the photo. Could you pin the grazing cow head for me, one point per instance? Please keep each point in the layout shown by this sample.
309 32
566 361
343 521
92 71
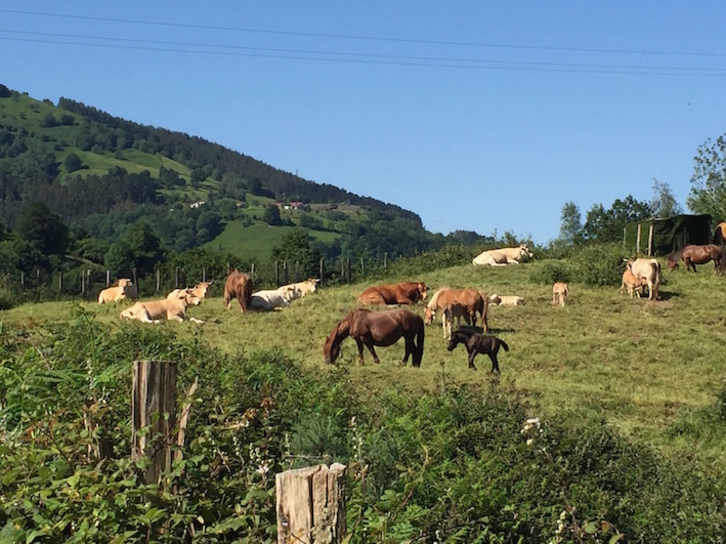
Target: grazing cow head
524 251
495 299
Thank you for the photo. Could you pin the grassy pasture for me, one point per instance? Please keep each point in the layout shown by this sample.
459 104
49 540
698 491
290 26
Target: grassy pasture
645 368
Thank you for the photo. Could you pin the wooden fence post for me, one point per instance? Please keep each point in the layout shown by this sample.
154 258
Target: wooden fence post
60 283
153 405
108 278
158 280
204 274
176 278
277 274
322 272
311 505
252 270
284 270
385 263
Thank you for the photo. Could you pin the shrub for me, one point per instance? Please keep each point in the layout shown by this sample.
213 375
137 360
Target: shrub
599 265
552 271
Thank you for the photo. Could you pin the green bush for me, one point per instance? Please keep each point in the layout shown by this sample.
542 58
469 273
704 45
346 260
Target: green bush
599 265
552 271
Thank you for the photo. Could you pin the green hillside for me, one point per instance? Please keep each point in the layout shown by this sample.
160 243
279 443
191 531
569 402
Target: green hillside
102 174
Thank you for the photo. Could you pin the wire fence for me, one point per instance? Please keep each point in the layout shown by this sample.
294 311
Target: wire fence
86 283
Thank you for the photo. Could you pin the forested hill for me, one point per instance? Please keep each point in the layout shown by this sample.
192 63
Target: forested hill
102 175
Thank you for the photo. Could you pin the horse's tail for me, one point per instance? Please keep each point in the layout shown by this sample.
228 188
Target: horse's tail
419 346
503 344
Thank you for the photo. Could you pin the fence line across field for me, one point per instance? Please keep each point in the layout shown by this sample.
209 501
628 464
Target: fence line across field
89 282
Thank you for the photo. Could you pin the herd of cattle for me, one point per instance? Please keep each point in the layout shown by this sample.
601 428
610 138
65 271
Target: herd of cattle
382 328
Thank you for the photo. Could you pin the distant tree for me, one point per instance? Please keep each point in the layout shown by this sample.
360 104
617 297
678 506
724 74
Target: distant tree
272 215
209 225
198 176
603 225
466 237
145 246
571 227
42 228
5 92
296 247
48 121
67 120
119 258
664 204
708 183
73 162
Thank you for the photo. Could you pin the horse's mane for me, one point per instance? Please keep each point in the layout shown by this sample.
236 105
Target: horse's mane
432 304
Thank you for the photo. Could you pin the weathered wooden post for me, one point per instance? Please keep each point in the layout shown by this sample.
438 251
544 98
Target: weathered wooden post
252 270
22 278
362 267
284 272
83 284
176 278
204 274
153 406
108 278
158 280
60 283
385 263
347 263
321 277
311 505
277 274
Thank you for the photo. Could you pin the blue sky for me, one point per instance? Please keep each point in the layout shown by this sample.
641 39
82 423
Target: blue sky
476 115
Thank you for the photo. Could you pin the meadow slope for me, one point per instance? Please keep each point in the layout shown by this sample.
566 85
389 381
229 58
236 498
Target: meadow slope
645 368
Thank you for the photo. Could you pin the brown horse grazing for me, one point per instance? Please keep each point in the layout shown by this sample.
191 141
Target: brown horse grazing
447 298
478 343
692 255
398 293
378 329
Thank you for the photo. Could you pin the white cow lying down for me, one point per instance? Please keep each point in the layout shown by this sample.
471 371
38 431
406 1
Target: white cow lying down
506 300
502 256
273 299
154 311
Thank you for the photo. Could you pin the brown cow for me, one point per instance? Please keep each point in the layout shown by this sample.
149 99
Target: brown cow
398 293
239 286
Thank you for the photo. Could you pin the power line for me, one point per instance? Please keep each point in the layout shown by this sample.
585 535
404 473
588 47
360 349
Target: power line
370 58
361 38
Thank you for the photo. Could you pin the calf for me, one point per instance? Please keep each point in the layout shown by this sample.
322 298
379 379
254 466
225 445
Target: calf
476 343
506 300
560 292
633 283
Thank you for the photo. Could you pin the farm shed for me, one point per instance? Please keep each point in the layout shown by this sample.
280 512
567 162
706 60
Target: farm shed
660 236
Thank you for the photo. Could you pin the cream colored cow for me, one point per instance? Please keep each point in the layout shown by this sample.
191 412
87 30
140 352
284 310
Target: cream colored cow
560 292
171 309
121 290
506 300
502 256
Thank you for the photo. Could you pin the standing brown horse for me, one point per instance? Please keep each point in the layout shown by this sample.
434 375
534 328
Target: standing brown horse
692 255
370 329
